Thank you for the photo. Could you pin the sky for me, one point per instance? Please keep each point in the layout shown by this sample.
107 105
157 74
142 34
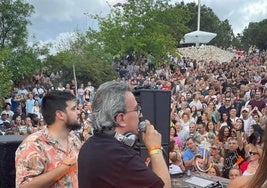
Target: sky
55 20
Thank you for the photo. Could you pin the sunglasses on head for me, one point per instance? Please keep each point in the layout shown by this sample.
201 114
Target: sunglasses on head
214 148
253 153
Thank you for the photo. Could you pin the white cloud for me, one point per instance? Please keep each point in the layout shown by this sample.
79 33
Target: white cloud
53 17
67 10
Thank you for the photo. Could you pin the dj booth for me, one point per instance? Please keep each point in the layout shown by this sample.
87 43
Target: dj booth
198 180
9 144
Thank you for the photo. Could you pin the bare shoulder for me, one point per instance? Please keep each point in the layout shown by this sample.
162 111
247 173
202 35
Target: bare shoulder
241 181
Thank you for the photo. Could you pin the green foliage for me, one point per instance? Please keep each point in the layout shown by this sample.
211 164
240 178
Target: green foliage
90 61
141 27
225 35
5 75
18 61
255 34
13 27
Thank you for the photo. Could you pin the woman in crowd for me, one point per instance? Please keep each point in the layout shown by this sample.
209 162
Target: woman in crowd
175 158
180 100
214 171
86 132
256 115
174 136
82 118
81 93
194 113
250 166
36 109
223 135
60 87
185 122
216 156
259 178
239 128
205 118
264 116
255 128
256 139
225 120
234 173
210 128
221 139
87 95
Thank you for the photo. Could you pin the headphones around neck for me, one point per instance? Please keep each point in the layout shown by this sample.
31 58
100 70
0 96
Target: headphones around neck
128 138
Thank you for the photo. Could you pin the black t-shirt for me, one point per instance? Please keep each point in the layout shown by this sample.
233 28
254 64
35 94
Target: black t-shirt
230 159
105 162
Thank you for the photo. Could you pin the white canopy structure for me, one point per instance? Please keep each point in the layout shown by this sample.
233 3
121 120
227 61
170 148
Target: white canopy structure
198 37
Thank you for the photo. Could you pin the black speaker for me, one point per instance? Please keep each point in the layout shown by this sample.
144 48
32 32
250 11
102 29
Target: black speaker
156 107
8 147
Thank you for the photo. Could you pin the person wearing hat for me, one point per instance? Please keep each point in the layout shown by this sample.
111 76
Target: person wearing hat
247 119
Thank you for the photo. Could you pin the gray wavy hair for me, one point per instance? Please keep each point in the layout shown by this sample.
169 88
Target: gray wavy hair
108 102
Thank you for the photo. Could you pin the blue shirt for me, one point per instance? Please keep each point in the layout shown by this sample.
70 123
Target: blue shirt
189 154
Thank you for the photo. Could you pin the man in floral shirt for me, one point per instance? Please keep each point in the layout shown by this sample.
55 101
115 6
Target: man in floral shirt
48 158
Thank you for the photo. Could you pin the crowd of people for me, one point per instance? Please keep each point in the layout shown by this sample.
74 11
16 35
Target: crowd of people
218 110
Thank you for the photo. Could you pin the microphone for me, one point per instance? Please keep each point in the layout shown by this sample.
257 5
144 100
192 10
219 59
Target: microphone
142 126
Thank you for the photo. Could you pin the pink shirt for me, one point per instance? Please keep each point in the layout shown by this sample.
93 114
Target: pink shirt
39 153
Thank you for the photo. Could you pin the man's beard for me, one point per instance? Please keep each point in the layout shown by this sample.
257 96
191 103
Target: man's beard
73 125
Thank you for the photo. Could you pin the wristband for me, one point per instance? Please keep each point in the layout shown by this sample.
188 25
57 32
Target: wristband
70 170
155 151
153 148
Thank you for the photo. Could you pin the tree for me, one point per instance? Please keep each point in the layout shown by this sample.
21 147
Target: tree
19 61
14 16
5 74
255 34
225 36
88 57
140 28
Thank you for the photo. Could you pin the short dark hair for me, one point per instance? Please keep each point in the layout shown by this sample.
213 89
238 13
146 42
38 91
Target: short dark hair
192 138
53 101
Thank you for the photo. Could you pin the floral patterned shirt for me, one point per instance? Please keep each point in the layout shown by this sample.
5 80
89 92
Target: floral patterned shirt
40 153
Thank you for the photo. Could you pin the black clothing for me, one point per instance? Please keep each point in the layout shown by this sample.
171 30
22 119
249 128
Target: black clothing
105 162
230 159
238 106
224 109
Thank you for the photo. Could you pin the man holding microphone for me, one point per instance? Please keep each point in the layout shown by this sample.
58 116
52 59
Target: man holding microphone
107 159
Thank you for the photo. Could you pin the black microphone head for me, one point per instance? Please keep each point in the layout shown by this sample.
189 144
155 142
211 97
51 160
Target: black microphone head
142 126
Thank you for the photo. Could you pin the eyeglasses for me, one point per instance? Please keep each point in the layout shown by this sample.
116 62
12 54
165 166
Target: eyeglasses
138 110
253 153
